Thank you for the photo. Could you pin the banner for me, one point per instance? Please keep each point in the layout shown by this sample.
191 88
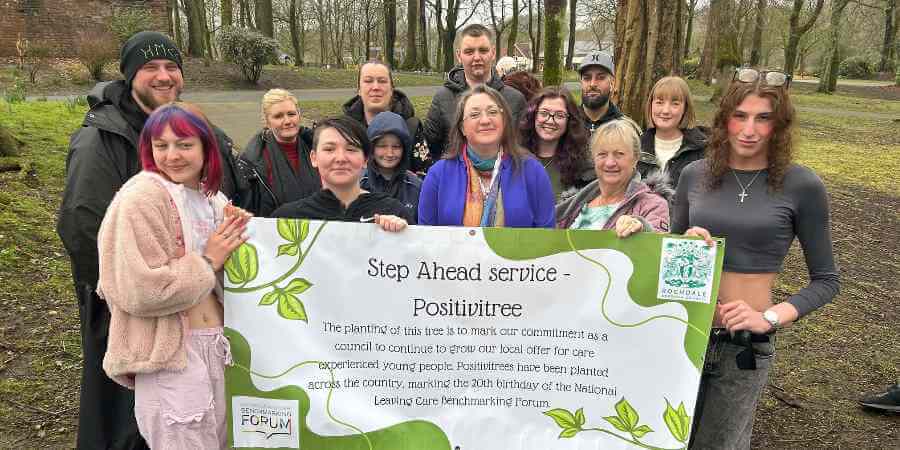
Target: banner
345 336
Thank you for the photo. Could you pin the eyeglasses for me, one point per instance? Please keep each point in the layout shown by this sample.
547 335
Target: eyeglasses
770 77
491 113
546 116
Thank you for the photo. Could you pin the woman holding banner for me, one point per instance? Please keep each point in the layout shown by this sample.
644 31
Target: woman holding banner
748 190
340 151
485 179
162 245
617 199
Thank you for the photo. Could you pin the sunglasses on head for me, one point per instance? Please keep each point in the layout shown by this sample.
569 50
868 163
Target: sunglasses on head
769 77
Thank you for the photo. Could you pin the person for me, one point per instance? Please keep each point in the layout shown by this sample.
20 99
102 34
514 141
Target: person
597 76
388 168
162 244
524 82
485 178
103 155
618 199
887 400
475 51
748 190
275 163
672 140
551 131
376 93
340 151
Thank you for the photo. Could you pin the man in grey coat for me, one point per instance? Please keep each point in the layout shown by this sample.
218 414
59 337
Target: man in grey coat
476 53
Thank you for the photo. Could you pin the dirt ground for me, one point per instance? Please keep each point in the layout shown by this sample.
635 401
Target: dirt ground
824 363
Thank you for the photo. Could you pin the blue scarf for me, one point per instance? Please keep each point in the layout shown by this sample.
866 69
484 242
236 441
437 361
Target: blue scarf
483 165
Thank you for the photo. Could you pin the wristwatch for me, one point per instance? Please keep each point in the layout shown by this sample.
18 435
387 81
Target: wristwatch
772 317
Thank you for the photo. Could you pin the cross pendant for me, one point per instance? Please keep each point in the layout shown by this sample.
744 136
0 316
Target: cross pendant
742 195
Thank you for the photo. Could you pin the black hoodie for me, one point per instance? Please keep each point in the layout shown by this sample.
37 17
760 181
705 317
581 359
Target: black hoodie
323 205
436 127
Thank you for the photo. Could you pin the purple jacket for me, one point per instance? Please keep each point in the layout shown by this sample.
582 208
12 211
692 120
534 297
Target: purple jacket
646 201
527 194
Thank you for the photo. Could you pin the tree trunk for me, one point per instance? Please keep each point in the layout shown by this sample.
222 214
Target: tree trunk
390 31
412 18
227 13
756 47
176 24
692 8
9 144
570 53
264 17
513 35
536 42
890 35
554 10
677 52
498 29
828 80
711 42
207 35
796 31
423 62
196 42
296 40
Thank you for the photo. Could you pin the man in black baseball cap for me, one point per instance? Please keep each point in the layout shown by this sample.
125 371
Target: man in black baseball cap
597 74
103 155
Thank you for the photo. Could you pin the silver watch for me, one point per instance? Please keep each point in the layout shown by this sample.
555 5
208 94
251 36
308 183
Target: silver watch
772 317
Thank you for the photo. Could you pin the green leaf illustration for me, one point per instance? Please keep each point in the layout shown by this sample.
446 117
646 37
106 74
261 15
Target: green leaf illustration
288 249
271 297
289 229
298 286
243 265
617 422
678 422
579 417
569 433
627 413
640 431
304 230
563 418
291 308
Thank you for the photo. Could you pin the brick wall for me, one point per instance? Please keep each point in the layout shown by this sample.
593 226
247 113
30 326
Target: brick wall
56 22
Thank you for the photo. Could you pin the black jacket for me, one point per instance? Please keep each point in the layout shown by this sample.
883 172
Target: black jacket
419 159
103 155
693 146
323 205
256 193
439 122
403 185
612 113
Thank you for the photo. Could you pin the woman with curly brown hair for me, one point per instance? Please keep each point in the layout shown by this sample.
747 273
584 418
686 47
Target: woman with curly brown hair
551 131
749 191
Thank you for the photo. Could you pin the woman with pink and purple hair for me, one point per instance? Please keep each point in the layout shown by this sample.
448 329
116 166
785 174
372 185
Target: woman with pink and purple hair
163 243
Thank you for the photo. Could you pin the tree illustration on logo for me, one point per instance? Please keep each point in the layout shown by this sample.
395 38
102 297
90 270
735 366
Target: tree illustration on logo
627 421
686 264
243 267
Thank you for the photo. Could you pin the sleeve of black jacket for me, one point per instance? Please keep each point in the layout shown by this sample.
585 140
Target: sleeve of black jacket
96 168
434 128
230 183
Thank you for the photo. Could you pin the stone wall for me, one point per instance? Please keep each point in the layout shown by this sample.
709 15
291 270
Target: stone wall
56 23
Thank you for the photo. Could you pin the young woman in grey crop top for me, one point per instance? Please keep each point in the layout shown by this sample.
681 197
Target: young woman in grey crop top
748 190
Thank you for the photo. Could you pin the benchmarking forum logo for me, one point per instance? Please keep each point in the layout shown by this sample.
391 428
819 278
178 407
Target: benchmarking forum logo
265 423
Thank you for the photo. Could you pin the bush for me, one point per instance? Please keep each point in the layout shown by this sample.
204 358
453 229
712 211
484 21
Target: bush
124 22
249 49
94 50
856 67
16 92
690 66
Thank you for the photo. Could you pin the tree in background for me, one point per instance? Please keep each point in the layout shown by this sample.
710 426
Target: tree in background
573 15
553 26
513 28
297 25
828 79
796 31
264 22
891 15
390 31
759 25
534 32
691 10
410 57
227 11
423 62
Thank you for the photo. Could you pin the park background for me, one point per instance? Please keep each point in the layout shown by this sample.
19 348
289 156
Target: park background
843 54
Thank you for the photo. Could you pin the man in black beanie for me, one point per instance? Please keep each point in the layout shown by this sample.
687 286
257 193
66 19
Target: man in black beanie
103 155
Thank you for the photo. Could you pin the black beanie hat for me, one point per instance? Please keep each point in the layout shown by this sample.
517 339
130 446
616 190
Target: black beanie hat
143 47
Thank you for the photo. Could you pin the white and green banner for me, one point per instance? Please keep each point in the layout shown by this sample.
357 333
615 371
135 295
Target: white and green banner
345 336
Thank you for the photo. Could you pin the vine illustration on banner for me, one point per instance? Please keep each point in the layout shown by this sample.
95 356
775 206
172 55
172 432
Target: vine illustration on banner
243 267
626 420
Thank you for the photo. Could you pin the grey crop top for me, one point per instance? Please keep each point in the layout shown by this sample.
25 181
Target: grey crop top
759 231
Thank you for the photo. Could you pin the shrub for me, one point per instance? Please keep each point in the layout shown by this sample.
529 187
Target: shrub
74 104
249 49
94 50
124 22
16 92
856 67
690 66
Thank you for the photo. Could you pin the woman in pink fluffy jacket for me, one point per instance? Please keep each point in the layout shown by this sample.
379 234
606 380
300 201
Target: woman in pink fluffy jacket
163 243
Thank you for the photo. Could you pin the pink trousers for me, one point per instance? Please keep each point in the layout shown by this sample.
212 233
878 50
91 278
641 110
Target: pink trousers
186 409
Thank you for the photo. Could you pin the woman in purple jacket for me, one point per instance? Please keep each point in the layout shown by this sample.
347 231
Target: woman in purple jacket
485 179
618 199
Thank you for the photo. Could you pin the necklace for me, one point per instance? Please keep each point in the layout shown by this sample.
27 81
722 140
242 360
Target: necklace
744 193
